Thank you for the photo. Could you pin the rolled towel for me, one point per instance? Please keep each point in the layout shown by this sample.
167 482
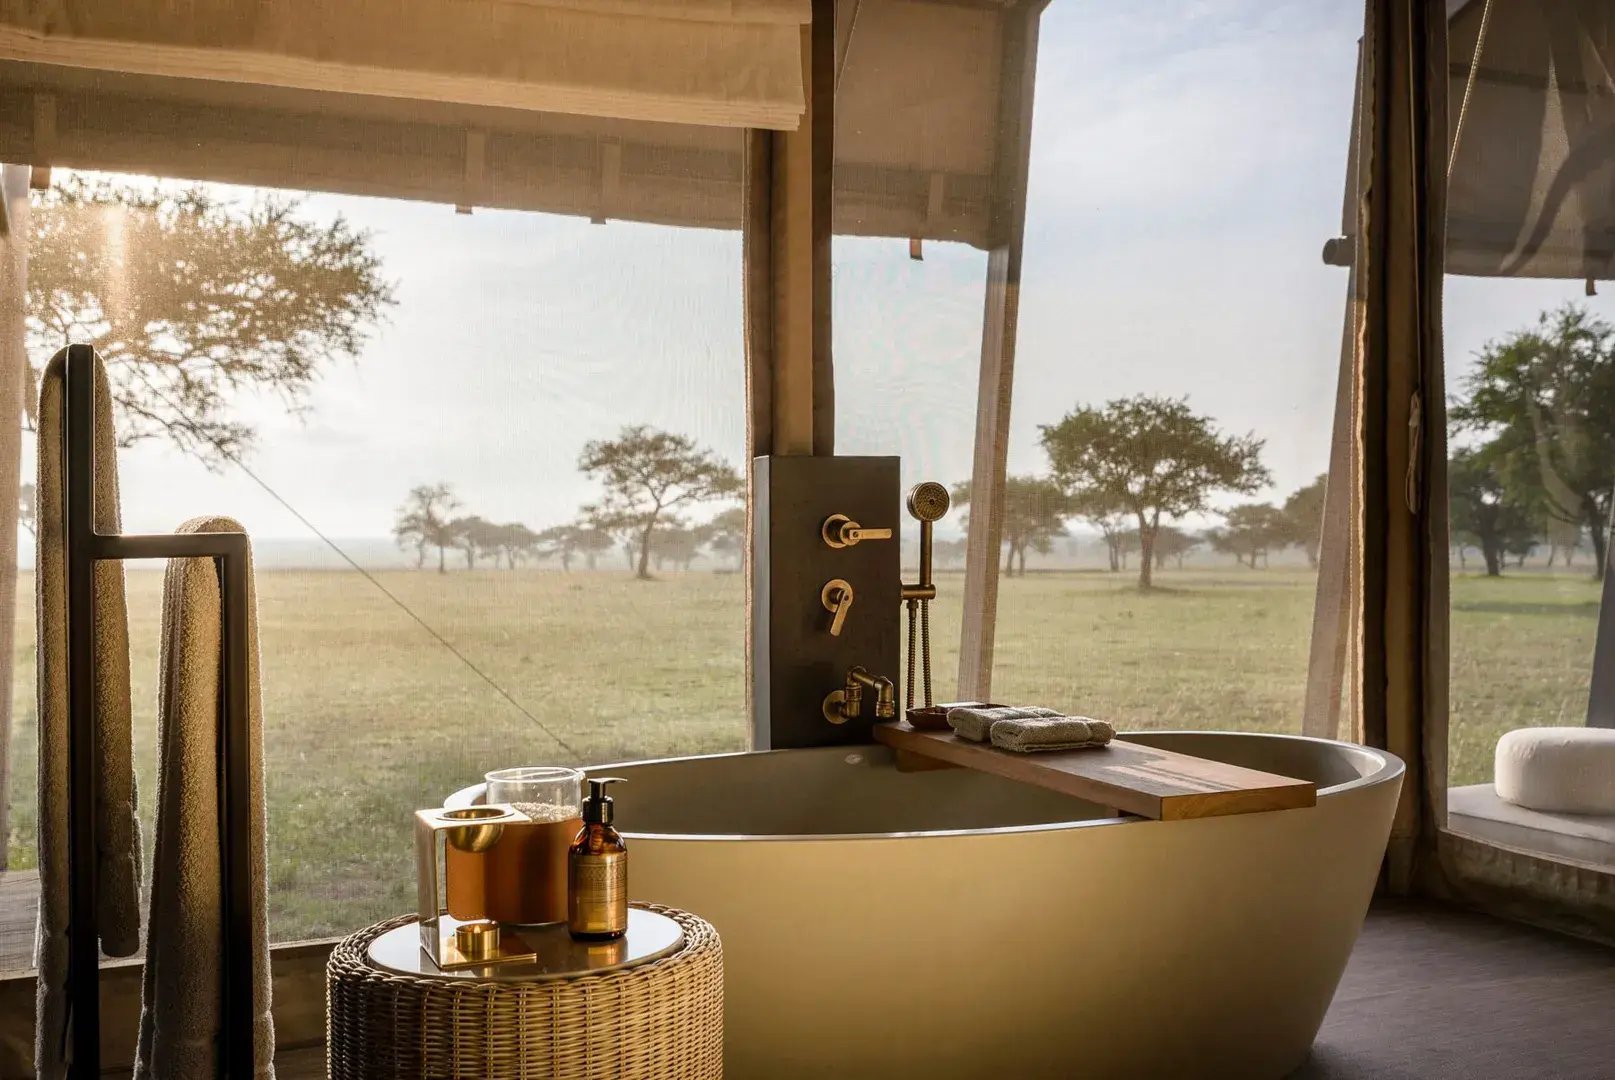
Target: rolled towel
976 723
117 828
1055 733
181 1028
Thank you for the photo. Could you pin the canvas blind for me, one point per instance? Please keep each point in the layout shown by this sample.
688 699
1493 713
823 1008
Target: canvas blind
723 63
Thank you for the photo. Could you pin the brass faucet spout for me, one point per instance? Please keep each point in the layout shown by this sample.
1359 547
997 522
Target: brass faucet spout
848 702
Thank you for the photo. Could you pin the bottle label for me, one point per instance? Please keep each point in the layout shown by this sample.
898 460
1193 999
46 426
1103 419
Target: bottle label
599 893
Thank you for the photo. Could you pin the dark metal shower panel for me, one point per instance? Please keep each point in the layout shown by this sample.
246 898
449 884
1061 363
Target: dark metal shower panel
85 548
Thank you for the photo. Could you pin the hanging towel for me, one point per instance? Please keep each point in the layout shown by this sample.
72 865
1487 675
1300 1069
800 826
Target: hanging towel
1051 733
181 988
117 830
976 723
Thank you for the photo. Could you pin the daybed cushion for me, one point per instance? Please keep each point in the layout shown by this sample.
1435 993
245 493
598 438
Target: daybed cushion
1562 770
1475 810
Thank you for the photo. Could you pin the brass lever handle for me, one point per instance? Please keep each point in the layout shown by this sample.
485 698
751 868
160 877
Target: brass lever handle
840 531
836 596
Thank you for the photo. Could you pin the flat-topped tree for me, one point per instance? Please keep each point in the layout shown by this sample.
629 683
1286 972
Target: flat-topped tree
427 520
189 298
1544 398
1035 510
1153 457
1252 530
726 534
1485 510
1303 511
649 475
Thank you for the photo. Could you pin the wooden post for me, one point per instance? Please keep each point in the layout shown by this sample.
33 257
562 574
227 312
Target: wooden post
786 188
13 365
998 353
786 251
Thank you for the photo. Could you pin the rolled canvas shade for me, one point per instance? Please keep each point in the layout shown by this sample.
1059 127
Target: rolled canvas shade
1532 178
729 63
916 136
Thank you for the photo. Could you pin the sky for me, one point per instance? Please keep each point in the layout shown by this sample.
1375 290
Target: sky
1187 166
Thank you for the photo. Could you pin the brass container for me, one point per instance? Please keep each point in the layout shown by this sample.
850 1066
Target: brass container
451 943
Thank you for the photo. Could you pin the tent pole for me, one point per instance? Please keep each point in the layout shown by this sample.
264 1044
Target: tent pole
786 208
999 320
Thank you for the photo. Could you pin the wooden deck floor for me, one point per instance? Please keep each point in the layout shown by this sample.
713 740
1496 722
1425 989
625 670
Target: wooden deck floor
1432 993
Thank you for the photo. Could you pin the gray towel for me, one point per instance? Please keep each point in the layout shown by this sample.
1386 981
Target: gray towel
1056 733
117 830
975 724
180 989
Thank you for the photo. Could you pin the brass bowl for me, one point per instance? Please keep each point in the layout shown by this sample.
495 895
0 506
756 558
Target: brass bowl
476 838
932 718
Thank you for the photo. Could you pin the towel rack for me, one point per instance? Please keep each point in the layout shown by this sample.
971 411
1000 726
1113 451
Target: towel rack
85 548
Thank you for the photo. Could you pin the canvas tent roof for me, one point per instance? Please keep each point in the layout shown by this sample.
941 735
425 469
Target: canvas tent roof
916 135
1532 179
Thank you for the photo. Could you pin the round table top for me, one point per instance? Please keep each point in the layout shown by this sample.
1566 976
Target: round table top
651 936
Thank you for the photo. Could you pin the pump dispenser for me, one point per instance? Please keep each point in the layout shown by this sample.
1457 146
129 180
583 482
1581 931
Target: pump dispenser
597 870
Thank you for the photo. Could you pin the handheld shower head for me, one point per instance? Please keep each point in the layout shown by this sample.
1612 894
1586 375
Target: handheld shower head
928 502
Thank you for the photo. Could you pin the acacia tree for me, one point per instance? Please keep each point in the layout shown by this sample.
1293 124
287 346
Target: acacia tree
1484 510
1545 397
1109 517
1034 514
514 541
726 534
1152 456
473 535
1303 516
677 544
648 476
188 298
564 541
1252 530
426 520
1173 543
590 542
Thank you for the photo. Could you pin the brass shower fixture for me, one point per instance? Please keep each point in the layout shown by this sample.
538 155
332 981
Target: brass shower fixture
848 702
927 503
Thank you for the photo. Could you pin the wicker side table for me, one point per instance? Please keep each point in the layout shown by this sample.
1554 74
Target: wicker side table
660 1020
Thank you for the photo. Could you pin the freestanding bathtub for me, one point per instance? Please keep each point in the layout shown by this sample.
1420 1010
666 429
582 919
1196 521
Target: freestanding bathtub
952 924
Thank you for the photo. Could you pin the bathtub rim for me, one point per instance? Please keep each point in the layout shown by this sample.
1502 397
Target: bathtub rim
1384 767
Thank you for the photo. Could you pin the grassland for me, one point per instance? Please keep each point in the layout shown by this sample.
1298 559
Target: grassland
367 718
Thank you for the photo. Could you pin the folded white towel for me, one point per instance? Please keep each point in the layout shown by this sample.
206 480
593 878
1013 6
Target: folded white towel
117 829
1053 733
181 988
976 722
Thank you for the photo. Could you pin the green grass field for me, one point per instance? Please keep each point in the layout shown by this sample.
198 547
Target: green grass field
368 719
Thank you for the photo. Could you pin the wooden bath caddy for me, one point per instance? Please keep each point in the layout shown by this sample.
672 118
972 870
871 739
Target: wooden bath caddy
1133 778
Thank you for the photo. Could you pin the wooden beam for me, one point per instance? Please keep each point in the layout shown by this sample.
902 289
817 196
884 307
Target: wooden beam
787 207
995 385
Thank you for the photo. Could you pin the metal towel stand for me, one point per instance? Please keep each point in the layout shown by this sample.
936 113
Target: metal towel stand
85 548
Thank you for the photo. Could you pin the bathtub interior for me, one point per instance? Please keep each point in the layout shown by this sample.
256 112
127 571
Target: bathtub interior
826 792
1327 764
858 790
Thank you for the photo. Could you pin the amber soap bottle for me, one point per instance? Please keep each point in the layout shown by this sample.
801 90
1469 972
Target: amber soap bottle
597 871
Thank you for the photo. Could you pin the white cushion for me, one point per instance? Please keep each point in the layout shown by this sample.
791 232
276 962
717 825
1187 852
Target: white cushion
1563 770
